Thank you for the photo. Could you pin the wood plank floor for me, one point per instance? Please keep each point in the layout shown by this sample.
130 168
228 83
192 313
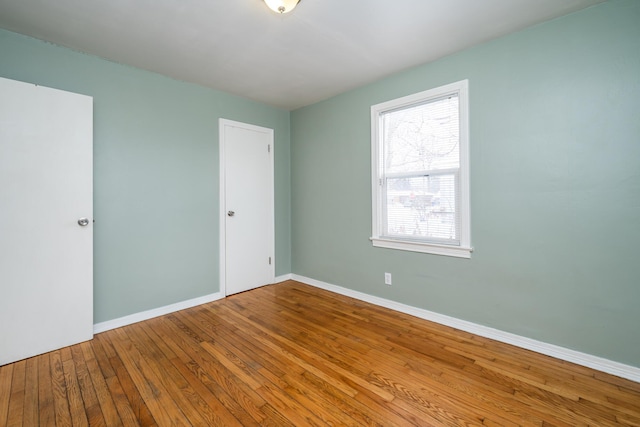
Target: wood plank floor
293 355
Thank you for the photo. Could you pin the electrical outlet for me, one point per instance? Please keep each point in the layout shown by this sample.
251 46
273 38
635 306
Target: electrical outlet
387 279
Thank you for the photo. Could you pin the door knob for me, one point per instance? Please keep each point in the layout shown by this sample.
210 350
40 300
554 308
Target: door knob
83 222
231 213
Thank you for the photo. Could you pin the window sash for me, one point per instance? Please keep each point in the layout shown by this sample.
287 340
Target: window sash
426 214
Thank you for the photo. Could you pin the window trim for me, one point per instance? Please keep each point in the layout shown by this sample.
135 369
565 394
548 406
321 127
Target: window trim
464 249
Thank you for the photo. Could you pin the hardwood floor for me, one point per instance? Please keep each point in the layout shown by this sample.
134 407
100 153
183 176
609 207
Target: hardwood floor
293 355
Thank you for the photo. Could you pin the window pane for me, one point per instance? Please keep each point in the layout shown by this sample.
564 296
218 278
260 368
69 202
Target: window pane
422 137
423 207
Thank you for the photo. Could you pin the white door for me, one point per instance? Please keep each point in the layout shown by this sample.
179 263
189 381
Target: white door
247 207
46 188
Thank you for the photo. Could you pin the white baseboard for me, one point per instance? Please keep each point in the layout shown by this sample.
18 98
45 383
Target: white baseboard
160 311
282 278
150 314
615 368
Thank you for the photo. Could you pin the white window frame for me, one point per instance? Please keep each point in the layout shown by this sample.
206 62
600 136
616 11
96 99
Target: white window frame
464 249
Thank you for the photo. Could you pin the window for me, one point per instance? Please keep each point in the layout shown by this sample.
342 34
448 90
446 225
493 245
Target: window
420 172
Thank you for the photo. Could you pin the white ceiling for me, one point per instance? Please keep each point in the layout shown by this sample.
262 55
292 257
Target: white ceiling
321 49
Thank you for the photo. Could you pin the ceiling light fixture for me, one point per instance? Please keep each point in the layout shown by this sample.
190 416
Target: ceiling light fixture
281 6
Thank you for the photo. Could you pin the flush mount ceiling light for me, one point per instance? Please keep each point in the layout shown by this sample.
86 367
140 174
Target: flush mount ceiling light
281 6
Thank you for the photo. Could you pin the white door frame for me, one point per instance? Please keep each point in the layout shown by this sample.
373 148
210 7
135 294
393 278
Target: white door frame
222 123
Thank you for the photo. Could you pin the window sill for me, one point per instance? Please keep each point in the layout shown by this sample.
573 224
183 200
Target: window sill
427 248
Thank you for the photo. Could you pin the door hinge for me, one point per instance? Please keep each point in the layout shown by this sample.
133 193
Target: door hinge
269 260
268 148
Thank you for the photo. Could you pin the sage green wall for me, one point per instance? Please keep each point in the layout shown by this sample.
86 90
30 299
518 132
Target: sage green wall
155 174
555 179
